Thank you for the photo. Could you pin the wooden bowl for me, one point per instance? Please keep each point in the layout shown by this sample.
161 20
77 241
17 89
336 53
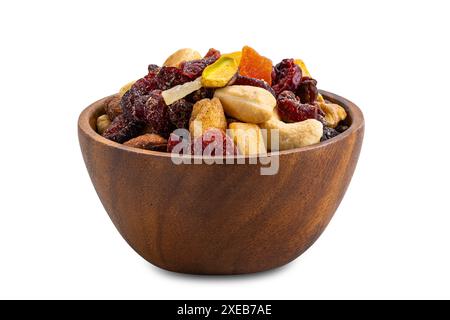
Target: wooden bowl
220 219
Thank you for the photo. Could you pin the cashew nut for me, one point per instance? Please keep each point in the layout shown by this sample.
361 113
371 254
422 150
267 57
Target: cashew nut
293 135
334 113
179 56
246 103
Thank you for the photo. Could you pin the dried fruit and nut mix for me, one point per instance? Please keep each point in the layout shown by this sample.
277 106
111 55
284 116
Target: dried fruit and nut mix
224 100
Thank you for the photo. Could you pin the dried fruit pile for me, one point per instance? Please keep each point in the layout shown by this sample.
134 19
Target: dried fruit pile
224 100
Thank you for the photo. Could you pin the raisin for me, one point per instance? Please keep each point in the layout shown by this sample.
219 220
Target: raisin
286 76
200 94
122 129
194 68
307 90
328 133
291 109
180 113
341 128
214 142
253 65
246 81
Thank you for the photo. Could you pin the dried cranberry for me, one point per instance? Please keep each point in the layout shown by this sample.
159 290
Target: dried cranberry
200 94
169 77
214 142
328 133
194 68
247 81
174 140
156 113
133 104
122 129
180 113
286 76
307 90
149 82
291 109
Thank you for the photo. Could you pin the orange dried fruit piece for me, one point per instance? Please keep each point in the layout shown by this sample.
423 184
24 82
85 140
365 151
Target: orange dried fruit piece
254 65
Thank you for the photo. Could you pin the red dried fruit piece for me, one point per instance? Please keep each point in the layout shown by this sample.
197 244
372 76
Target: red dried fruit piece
194 68
287 76
174 140
214 142
156 113
148 83
169 77
254 65
246 81
307 90
149 109
180 113
291 109
122 129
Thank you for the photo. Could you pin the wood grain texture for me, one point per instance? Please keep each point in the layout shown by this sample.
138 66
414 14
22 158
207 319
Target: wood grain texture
220 219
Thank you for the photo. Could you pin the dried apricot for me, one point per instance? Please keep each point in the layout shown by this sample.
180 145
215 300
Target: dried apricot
254 65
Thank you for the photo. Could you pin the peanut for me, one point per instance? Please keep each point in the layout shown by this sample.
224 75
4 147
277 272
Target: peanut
246 103
103 123
247 137
334 113
179 56
293 135
207 114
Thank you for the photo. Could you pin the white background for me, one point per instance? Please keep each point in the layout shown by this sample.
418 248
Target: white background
390 238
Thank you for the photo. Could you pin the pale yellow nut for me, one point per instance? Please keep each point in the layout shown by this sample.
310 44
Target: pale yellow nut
125 88
207 114
103 123
334 113
178 92
246 103
302 65
292 135
179 56
248 138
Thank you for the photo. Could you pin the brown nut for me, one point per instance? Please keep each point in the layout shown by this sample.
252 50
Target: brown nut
207 114
179 56
103 122
148 141
112 107
334 113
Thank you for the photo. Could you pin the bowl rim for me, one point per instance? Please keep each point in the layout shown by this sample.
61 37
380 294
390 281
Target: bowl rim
352 109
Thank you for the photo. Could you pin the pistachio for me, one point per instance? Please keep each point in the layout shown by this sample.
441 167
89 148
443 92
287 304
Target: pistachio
103 122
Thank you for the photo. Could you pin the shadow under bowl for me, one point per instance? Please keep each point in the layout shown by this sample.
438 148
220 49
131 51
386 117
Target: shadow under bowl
221 218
